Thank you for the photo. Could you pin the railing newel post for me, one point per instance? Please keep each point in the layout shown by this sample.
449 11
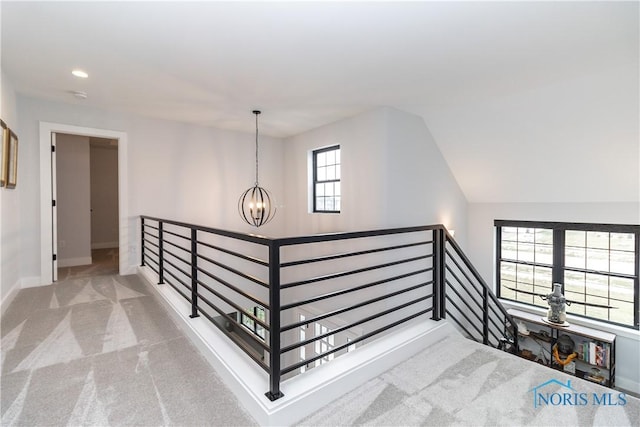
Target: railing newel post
141 241
160 254
194 273
274 392
435 314
485 316
440 265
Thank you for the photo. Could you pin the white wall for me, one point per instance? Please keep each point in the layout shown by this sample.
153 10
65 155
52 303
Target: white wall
480 247
421 189
392 175
10 207
481 252
104 196
189 173
73 200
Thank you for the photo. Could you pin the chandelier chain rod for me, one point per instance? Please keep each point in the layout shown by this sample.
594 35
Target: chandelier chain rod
257 149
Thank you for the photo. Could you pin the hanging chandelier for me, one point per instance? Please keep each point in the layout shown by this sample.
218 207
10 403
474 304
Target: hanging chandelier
256 205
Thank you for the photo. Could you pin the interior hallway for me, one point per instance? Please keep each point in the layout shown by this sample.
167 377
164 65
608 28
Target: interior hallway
101 351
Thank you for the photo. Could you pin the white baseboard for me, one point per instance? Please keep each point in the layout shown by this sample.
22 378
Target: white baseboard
31 282
9 297
303 394
627 385
72 262
105 245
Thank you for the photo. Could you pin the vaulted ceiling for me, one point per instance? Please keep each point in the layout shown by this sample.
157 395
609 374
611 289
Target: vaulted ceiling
528 101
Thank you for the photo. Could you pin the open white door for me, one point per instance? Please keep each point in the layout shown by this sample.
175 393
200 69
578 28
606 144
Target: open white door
54 209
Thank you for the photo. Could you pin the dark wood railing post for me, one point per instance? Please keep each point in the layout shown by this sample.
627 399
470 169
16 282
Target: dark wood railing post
160 255
274 321
194 273
141 242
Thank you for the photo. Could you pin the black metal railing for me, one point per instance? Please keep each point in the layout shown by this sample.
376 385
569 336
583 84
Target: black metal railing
295 303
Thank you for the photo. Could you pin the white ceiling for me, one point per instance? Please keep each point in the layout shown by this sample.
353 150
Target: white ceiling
528 101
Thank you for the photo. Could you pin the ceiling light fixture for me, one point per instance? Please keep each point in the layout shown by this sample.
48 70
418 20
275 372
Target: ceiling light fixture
256 205
80 73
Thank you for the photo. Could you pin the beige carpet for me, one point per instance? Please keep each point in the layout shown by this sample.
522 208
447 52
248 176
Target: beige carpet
100 351
462 383
103 262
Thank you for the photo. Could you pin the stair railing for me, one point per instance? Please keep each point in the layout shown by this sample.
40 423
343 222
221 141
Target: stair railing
293 303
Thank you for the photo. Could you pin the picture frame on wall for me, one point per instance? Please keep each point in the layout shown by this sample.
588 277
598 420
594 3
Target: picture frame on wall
4 154
12 168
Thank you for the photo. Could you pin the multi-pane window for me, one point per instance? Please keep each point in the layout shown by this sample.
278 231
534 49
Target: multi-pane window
249 323
326 180
597 265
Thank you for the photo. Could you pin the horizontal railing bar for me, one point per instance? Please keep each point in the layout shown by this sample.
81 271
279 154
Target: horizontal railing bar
317 238
352 272
168 252
150 226
148 233
353 307
350 254
233 304
494 323
351 325
236 254
470 309
353 289
154 269
463 314
234 288
464 273
232 320
493 334
226 233
177 268
477 275
354 341
175 287
177 246
153 252
452 317
165 231
151 243
234 271
471 296
239 342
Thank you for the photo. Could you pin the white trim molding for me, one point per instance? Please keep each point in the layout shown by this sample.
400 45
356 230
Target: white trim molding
46 239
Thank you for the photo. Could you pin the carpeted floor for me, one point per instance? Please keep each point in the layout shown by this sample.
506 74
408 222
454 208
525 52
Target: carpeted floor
103 262
99 351
461 382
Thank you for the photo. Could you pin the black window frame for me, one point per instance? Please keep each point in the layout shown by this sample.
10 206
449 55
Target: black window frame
316 181
558 267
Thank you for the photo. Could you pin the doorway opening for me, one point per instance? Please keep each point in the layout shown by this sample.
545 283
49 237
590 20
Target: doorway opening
108 252
86 196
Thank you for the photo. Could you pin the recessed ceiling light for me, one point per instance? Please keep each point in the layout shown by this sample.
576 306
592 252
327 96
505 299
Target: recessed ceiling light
80 73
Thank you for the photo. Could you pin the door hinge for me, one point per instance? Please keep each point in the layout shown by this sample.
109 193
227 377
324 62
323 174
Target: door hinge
53 148
53 203
55 257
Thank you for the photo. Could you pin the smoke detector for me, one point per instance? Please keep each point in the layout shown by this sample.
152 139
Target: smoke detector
79 94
